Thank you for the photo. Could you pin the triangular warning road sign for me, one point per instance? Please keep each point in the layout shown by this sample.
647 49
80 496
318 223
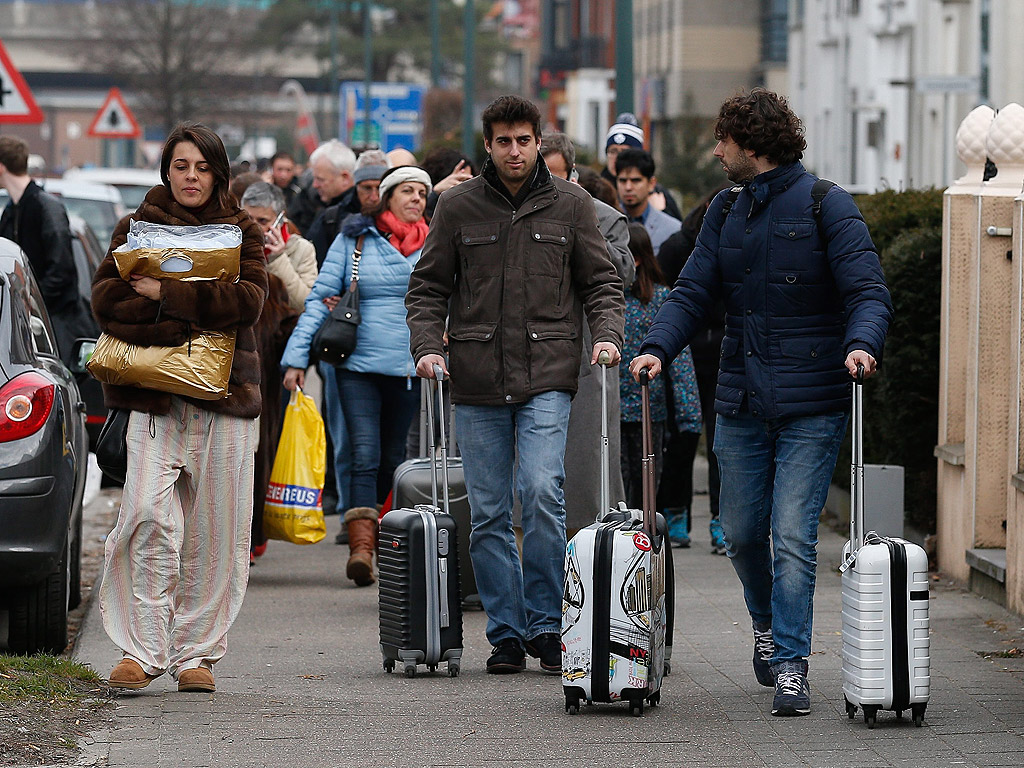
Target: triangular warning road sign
16 102
114 120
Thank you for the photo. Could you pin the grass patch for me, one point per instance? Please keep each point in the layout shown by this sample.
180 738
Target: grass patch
47 705
45 678
1012 653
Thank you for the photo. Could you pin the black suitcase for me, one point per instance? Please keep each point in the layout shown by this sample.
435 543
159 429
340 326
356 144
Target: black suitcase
413 486
418 570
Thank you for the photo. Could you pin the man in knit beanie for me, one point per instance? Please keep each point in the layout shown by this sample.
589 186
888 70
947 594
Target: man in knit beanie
370 166
626 133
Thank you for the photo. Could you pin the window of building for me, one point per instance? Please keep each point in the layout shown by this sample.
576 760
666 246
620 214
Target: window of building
774 30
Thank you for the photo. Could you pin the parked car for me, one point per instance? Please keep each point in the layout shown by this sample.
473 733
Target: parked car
99 204
88 254
133 183
43 462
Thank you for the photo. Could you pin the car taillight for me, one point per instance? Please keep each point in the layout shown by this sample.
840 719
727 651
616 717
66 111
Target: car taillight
25 404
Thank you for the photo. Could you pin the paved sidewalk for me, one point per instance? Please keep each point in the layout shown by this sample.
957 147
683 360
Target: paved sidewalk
302 685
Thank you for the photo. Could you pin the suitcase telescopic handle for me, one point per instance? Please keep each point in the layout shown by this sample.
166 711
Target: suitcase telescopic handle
604 360
438 444
857 463
648 457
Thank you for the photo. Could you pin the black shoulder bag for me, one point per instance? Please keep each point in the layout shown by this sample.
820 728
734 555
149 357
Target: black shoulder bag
111 451
336 338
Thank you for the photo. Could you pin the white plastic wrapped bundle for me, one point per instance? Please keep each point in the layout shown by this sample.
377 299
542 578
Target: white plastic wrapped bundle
144 234
206 252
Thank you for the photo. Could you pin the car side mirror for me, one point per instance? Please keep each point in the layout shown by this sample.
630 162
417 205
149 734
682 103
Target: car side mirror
81 353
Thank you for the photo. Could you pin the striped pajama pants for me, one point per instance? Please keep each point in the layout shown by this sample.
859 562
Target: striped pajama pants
177 562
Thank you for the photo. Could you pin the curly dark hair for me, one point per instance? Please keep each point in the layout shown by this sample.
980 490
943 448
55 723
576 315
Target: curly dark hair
762 122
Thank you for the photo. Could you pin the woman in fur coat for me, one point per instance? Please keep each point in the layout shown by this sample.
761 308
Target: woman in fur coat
177 562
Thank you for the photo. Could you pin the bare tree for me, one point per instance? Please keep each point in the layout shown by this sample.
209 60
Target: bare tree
177 55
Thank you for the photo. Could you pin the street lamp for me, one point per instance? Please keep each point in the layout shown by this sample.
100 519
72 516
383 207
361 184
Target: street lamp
468 55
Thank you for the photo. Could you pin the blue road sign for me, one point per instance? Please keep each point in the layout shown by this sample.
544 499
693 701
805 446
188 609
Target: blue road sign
395 108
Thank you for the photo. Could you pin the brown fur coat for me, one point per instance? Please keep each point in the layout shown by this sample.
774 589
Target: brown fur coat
184 306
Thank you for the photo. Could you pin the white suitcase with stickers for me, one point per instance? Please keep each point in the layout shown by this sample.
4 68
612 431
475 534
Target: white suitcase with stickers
614 607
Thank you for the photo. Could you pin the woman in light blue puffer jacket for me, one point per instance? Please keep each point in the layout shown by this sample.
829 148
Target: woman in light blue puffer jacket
375 383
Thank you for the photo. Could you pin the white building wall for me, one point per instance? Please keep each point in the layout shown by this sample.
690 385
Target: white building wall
862 76
589 100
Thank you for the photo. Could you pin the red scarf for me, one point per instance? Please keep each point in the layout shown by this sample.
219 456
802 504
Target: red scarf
407 238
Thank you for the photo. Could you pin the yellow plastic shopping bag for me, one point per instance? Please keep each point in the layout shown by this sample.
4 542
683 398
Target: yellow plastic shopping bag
293 509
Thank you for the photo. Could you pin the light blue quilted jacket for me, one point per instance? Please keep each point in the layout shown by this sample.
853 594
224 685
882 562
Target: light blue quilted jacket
382 344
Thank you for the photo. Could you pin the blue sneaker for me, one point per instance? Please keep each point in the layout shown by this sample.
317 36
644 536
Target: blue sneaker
678 527
792 693
717 537
764 649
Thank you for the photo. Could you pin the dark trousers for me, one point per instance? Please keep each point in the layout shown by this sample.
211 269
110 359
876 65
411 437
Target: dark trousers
378 410
676 489
631 456
707 381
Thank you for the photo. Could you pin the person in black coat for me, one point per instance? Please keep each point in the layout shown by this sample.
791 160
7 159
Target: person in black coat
37 222
676 489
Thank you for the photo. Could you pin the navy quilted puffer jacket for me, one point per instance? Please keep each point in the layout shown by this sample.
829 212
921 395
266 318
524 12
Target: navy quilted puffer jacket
795 309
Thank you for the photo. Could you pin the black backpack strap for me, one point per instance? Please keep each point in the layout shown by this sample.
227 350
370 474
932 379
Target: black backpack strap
730 199
818 192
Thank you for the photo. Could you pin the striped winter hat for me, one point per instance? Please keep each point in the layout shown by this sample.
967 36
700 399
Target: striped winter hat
626 131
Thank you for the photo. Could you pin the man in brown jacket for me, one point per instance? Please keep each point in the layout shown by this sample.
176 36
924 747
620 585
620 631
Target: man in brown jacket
513 260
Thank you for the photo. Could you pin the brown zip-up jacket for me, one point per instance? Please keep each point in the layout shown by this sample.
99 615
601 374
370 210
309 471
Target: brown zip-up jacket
513 287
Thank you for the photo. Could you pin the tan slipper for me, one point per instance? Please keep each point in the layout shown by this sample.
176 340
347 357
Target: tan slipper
198 679
129 675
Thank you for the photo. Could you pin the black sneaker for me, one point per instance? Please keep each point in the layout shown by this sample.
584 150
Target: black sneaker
507 658
764 649
548 648
792 693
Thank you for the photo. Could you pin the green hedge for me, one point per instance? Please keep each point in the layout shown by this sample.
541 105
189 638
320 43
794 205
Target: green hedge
901 401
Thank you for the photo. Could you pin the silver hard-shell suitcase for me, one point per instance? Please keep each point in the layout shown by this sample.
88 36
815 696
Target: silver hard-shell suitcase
419 601
886 653
614 607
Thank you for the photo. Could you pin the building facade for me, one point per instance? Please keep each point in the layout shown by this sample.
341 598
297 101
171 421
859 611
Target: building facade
882 85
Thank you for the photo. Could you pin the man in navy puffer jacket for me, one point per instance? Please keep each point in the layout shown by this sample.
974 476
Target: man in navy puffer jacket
806 304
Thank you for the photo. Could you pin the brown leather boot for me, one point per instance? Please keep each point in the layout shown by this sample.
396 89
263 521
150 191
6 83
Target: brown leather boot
362 541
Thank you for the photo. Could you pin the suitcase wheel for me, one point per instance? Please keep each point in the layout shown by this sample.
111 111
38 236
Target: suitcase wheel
453 670
572 705
637 708
389 666
918 710
654 699
851 709
870 715
668 667
410 670
432 667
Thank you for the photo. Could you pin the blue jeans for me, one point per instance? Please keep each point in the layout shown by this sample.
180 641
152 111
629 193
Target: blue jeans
341 462
378 410
522 600
775 477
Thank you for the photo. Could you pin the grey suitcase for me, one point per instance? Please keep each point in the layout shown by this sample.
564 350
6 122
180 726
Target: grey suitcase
419 607
886 643
412 486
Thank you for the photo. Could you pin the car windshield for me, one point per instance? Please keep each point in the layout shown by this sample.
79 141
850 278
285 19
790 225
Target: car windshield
133 194
101 215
